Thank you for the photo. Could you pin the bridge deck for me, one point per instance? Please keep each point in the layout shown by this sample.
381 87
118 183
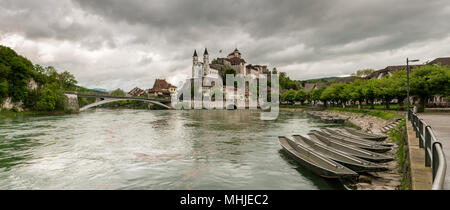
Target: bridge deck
162 100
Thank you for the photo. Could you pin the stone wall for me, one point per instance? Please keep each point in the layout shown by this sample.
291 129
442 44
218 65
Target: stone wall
8 104
72 102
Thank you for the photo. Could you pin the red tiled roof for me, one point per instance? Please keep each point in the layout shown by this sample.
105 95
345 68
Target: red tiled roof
162 84
235 60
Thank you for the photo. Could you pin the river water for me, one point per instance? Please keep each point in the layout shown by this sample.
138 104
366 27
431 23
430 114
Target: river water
153 149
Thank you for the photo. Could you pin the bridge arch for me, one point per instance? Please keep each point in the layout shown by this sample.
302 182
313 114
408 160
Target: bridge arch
105 101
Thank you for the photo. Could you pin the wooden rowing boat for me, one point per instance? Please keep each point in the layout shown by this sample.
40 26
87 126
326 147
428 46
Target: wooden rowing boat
351 150
315 162
354 163
367 146
365 135
342 134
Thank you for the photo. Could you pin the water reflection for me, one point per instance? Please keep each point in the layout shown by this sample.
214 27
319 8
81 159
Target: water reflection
140 149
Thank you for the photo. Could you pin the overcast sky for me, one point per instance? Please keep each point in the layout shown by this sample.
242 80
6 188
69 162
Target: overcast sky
116 43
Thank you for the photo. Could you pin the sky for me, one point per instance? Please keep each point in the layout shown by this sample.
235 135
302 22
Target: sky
125 44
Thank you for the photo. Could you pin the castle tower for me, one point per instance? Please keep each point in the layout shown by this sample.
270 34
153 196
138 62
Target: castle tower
194 62
205 62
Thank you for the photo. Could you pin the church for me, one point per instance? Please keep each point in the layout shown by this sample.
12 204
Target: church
217 68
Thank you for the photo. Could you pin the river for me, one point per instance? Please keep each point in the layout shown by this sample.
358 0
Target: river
153 149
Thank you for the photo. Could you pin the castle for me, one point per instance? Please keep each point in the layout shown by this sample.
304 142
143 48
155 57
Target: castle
217 68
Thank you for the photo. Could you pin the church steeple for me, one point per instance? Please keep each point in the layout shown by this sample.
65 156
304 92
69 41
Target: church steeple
195 53
205 62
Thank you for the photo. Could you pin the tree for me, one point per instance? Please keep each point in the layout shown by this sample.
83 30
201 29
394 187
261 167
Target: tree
363 73
316 94
398 84
289 96
429 80
386 90
370 91
355 91
67 80
52 98
301 96
117 92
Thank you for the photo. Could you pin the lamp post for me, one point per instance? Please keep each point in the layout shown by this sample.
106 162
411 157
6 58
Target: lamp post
407 80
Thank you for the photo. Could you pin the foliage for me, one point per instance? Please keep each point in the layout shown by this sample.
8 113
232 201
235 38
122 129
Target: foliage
386 115
286 83
16 70
301 96
288 96
430 80
363 73
398 135
117 92
52 98
16 73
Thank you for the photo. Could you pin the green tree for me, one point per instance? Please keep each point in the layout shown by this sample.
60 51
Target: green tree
386 90
355 91
363 73
398 84
370 91
289 96
429 80
301 96
52 98
315 94
117 92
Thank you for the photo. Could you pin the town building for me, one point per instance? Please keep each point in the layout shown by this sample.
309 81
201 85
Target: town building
218 66
136 92
162 88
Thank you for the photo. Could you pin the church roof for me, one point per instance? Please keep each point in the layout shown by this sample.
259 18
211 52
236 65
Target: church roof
195 53
235 50
206 52
235 60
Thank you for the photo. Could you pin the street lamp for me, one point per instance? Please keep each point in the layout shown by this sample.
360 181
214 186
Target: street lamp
407 79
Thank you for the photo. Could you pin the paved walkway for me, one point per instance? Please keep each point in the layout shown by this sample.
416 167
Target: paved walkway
440 123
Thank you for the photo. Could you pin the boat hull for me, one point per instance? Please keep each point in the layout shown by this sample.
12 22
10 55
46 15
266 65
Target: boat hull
351 162
351 150
309 164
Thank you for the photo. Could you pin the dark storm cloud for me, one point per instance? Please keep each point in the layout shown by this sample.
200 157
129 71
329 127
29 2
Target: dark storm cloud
156 38
319 24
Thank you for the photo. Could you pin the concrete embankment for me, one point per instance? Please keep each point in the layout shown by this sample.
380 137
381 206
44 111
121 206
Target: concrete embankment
420 176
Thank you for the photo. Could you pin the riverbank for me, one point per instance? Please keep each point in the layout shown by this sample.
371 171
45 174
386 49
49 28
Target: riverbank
372 121
8 113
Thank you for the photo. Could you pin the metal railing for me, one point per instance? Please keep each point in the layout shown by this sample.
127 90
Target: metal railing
434 155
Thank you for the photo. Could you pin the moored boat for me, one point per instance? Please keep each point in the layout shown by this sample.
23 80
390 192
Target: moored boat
315 162
364 135
354 163
351 150
367 146
342 134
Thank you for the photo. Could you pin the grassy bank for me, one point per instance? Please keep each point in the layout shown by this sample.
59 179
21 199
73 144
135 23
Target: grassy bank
293 106
398 135
385 115
8 113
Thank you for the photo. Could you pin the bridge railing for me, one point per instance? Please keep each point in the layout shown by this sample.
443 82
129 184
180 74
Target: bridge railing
434 154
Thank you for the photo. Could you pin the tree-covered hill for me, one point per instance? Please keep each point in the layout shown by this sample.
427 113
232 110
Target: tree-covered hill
18 75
